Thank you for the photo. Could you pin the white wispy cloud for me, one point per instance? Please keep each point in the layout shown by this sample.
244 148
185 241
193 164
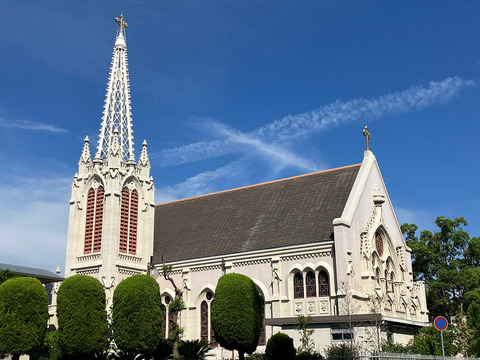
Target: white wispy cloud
33 221
227 176
304 125
30 125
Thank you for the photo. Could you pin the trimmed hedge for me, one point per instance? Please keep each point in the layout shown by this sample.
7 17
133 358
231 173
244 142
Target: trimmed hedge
23 315
82 318
280 347
237 313
137 317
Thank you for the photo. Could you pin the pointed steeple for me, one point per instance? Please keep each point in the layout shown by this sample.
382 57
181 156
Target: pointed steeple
117 116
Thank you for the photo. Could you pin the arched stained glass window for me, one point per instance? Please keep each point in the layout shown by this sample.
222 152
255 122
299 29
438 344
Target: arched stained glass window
323 284
386 281
262 339
311 286
379 244
298 286
392 279
204 321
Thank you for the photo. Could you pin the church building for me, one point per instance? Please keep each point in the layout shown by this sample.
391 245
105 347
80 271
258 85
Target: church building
326 244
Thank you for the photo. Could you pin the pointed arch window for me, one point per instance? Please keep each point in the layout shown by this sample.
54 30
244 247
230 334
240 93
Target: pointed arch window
262 338
94 220
206 329
379 244
392 285
128 221
204 321
377 277
310 284
323 283
386 281
298 286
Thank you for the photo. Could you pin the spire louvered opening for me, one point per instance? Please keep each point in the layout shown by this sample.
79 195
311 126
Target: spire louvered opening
128 221
94 220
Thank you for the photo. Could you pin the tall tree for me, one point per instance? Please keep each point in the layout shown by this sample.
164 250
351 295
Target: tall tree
444 261
82 318
23 316
237 314
137 315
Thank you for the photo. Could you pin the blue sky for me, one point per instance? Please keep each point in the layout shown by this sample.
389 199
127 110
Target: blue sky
231 93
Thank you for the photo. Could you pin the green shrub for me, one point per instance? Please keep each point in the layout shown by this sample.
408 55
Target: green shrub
82 318
280 347
194 349
342 351
237 314
137 315
23 315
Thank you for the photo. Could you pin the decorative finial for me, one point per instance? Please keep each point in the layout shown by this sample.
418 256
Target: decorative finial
367 135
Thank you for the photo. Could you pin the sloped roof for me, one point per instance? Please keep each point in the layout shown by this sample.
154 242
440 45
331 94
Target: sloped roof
43 275
291 211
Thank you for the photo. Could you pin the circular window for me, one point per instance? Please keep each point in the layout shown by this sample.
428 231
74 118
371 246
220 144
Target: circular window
209 295
379 244
167 299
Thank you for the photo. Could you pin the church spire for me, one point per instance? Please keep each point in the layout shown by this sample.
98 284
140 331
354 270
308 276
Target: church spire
117 117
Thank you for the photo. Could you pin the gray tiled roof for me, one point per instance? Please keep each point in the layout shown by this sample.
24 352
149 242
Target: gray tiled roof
43 275
291 211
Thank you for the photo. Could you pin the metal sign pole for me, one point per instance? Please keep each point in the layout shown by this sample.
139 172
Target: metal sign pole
443 348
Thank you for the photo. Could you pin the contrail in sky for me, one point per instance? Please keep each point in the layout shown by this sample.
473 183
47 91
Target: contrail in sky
305 124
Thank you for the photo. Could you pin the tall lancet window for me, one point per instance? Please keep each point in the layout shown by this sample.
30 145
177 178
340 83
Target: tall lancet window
128 221
94 221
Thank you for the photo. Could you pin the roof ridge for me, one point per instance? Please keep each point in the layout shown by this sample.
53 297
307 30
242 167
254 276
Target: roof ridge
260 184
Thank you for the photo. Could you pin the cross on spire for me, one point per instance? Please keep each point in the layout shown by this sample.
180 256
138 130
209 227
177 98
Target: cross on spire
120 20
367 135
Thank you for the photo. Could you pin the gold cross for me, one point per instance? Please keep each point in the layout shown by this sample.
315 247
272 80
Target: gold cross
367 135
121 22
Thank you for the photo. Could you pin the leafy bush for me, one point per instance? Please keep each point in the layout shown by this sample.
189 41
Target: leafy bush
280 347
137 315
237 313
342 351
309 356
82 318
23 315
256 356
194 349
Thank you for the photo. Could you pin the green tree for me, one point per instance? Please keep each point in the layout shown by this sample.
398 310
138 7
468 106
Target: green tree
82 318
307 345
4 275
428 342
174 309
23 316
280 347
444 261
473 322
237 314
137 315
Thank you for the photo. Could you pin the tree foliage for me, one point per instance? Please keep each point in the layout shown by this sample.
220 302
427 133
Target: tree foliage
23 315
447 261
137 315
307 344
82 318
280 347
237 314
